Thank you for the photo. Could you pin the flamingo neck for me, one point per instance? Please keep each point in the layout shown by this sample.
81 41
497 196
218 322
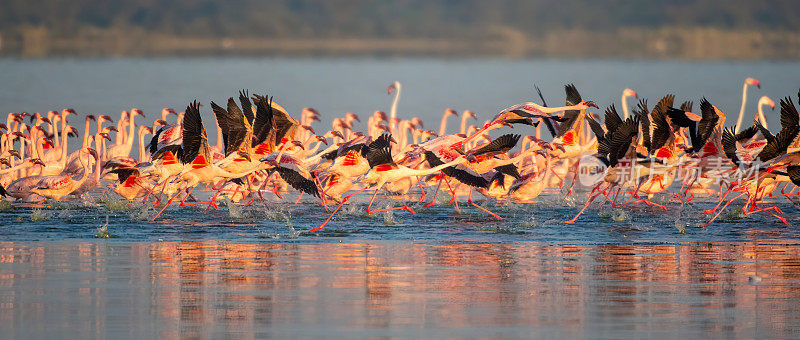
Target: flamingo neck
741 110
443 125
625 113
393 110
761 116
141 145
86 134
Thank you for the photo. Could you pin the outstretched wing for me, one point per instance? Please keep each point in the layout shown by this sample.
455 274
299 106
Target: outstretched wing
461 175
573 98
298 182
247 107
195 139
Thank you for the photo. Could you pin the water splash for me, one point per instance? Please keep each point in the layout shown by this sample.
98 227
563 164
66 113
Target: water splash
102 231
5 205
38 215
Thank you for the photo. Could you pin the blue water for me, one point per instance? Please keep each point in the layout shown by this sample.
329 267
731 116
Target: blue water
257 272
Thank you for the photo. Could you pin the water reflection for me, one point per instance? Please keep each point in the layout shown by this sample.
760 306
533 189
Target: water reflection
399 289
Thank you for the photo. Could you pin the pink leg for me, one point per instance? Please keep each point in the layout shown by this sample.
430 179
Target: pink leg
369 206
469 199
435 193
344 200
591 198
721 210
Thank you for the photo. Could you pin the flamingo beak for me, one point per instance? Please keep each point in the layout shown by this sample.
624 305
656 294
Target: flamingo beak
309 128
591 104
37 161
46 120
322 139
92 152
390 89
298 144
90 117
14 153
107 118
337 134
112 128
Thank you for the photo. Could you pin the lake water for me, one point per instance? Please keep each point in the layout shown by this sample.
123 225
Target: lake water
254 272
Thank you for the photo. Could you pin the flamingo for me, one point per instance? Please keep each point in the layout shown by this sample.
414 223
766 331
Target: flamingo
58 186
747 82
395 86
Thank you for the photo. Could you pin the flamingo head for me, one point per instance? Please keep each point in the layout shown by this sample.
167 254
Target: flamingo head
5 162
308 128
299 144
630 93
67 112
382 126
417 122
392 87
72 132
450 112
357 134
336 134
167 111
147 129
351 117
20 135
37 161
753 81
105 136
14 153
468 113
588 104
110 128
90 118
379 115
137 112
92 152
767 101
160 122
321 139
105 118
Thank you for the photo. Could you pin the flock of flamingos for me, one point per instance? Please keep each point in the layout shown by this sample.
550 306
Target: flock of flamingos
262 150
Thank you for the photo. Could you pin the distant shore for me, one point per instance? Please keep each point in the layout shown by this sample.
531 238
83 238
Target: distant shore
667 43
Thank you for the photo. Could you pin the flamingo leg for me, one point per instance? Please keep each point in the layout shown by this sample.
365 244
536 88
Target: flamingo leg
469 200
369 206
422 189
721 210
435 193
722 199
591 198
165 205
344 200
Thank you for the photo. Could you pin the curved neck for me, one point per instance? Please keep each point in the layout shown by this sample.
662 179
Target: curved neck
443 125
625 113
393 110
464 122
761 116
141 144
86 134
741 110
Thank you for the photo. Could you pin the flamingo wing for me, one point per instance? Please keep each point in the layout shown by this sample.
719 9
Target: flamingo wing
195 139
247 107
263 120
297 181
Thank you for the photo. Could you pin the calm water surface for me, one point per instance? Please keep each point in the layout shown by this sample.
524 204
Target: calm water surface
253 272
